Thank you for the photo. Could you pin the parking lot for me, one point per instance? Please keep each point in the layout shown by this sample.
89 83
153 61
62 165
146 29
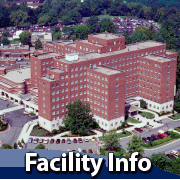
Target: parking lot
67 147
16 119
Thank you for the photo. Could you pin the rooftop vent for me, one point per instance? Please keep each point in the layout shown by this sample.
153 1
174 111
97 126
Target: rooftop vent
71 57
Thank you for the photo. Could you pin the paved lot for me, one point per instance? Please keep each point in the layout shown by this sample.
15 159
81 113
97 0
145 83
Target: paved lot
6 104
65 146
16 119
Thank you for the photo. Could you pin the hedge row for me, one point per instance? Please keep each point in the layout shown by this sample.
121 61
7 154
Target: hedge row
173 135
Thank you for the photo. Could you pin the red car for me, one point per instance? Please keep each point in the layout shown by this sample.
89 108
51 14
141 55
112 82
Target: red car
75 140
163 134
90 151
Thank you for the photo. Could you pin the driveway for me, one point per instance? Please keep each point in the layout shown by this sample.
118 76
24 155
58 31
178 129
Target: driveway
16 120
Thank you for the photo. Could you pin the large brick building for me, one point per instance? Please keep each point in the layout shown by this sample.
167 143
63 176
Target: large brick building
105 73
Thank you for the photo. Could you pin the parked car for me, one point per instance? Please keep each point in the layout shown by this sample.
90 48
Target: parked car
79 149
52 141
138 129
41 140
30 140
162 133
90 151
46 141
146 140
57 141
170 156
150 139
93 139
63 141
86 140
174 153
80 140
154 136
68 141
36 140
159 137
75 140
167 133
84 151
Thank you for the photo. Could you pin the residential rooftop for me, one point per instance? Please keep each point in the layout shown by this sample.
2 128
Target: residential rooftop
14 46
46 55
18 75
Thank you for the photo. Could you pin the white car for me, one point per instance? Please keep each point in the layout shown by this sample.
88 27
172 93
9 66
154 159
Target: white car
86 140
46 141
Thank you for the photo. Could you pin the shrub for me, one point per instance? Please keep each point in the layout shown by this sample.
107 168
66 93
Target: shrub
54 131
174 135
143 104
40 146
32 114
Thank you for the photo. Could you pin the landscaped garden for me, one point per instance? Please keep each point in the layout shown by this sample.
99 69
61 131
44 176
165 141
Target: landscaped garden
147 114
175 116
132 120
3 126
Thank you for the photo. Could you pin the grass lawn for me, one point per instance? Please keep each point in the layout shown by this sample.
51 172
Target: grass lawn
39 131
14 41
131 120
147 115
120 135
176 116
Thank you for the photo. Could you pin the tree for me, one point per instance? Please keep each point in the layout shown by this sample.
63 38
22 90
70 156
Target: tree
160 160
40 146
19 144
38 44
44 20
5 41
78 117
5 33
81 31
68 31
19 18
22 141
177 102
143 104
135 145
92 23
15 146
25 38
6 146
57 36
111 141
107 25
54 131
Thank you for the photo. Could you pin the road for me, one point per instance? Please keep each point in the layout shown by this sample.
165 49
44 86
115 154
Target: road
168 124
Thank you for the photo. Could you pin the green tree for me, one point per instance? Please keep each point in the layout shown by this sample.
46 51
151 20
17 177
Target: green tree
143 104
81 31
38 44
92 23
54 131
19 18
25 38
40 146
15 146
107 25
177 102
111 141
6 146
57 36
5 41
78 117
135 145
67 31
5 33
19 144
44 20
22 141
160 160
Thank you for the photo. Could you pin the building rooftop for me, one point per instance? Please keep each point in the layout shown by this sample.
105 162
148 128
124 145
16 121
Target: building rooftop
14 46
6 85
106 36
158 58
129 48
46 55
106 70
87 42
18 75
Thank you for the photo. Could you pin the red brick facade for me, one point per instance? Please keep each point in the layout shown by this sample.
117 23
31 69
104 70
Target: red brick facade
145 71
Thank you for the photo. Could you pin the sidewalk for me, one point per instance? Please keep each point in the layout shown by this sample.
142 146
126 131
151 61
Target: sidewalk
10 109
